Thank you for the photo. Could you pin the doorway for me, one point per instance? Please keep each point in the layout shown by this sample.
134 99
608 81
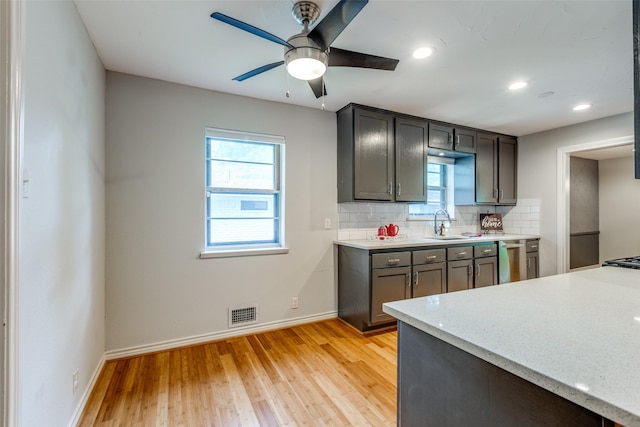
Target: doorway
603 149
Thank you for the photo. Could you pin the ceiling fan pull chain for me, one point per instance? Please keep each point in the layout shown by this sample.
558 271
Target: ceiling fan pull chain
323 92
288 93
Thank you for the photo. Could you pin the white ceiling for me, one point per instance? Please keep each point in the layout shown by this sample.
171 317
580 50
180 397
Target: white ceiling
579 50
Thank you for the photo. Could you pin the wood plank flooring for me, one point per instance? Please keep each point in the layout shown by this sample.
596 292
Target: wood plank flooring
324 374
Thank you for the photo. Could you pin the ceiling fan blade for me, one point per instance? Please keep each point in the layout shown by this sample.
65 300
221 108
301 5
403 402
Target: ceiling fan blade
327 30
347 58
258 70
249 28
317 86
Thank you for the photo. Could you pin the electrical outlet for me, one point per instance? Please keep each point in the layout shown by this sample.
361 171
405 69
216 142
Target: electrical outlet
327 223
294 302
75 381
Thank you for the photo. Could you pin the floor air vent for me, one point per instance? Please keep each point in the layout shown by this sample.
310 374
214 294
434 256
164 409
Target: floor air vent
239 316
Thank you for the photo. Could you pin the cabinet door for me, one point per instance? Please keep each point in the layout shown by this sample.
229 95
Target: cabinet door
373 155
459 275
440 136
486 270
465 140
411 160
507 164
533 266
486 169
429 279
388 284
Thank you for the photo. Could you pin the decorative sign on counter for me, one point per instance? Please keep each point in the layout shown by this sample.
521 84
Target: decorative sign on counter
491 222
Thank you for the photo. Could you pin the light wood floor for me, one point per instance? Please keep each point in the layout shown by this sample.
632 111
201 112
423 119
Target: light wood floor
323 373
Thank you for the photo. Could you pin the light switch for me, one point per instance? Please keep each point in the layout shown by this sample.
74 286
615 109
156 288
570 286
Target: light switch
327 223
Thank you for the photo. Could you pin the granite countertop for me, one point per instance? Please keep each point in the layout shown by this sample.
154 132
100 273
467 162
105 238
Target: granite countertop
574 334
429 241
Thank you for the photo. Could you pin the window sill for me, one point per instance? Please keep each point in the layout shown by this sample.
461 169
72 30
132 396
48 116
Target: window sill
230 253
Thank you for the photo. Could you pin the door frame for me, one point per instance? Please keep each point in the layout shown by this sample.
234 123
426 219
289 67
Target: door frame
11 181
563 193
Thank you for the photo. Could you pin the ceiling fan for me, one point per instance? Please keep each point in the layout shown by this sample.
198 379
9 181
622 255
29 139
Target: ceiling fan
308 54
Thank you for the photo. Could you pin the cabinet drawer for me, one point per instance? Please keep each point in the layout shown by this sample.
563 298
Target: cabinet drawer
391 259
482 251
429 256
532 246
460 252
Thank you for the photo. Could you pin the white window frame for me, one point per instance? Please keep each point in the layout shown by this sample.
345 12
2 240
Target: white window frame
450 205
247 249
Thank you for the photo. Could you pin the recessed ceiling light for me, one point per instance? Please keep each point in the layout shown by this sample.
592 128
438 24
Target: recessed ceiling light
518 85
581 107
423 52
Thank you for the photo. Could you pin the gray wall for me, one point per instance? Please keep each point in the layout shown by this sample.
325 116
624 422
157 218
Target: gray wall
157 288
537 172
619 208
584 240
62 223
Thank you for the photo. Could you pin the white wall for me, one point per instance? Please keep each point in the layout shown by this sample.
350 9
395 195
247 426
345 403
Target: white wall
537 172
619 207
157 287
61 307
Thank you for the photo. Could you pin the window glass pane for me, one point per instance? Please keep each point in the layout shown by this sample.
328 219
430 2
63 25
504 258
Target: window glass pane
223 205
434 167
434 180
241 231
224 174
241 151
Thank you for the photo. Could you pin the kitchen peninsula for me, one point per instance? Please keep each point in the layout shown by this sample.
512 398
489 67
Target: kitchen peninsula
559 350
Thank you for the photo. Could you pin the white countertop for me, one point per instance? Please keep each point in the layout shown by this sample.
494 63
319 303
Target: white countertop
575 334
428 241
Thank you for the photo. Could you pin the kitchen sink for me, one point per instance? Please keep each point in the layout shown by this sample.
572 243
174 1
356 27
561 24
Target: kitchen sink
449 238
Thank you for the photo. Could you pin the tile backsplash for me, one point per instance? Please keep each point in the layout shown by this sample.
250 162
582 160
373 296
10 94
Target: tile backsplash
361 220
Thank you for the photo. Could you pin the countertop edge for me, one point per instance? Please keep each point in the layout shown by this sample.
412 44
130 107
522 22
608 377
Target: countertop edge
426 242
601 407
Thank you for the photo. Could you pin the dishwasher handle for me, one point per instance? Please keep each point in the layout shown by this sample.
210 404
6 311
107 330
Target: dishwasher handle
512 245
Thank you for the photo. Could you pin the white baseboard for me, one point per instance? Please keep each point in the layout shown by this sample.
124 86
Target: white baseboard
87 392
199 339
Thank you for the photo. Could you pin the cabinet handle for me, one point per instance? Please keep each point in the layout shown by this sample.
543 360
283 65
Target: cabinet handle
457 140
393 261
501 194
462 253
528 262
415 280
495 193
450 139
477 269
431 257
408 278
486 251
390 188
534 246
470 272
399 189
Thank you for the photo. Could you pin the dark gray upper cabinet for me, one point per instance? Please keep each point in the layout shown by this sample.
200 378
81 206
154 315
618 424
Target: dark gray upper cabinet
380 156
410 137
452 138
507 172
490 177
365 155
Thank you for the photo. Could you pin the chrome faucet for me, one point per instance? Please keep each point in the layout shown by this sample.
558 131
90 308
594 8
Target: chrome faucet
435 222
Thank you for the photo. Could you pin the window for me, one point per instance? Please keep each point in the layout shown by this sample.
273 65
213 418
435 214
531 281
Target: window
244 194
439 189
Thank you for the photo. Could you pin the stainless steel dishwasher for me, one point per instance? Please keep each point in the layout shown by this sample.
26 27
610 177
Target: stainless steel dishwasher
512 260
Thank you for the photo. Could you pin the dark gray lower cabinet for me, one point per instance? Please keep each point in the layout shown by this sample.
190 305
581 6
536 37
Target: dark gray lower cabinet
440 385
533 259
486 271
388 284
429 279
459 275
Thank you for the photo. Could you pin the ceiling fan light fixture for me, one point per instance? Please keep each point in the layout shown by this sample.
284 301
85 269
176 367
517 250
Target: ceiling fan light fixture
580 107
306 63
518 85
423 52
